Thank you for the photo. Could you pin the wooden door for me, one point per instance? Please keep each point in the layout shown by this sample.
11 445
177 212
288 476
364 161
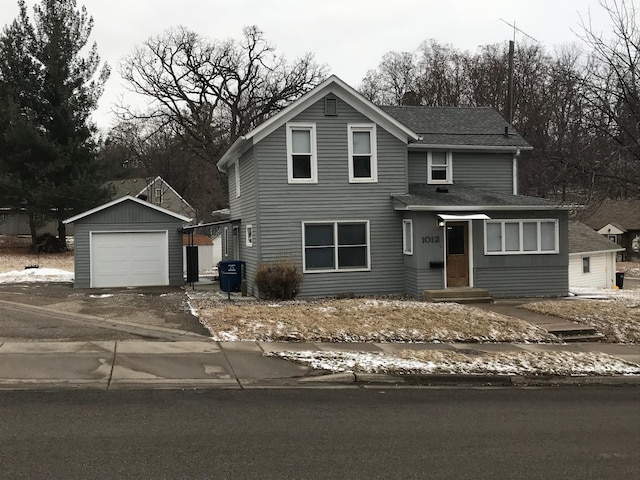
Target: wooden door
457 254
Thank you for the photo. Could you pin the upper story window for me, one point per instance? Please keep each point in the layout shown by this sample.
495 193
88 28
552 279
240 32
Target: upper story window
439 167
504 237
302 166
363 164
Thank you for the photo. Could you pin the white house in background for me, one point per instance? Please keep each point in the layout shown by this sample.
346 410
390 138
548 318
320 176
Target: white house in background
592 258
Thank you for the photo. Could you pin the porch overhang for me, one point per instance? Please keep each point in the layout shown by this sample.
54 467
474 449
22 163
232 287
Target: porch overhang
459 218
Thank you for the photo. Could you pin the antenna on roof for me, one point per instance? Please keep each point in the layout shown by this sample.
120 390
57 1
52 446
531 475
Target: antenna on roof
509 111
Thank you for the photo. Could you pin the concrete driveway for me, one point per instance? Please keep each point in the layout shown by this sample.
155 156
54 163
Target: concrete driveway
58 312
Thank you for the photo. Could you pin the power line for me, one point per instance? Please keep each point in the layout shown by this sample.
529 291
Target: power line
518 30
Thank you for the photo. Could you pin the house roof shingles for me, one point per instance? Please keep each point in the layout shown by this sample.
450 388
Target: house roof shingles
458 196
478 126
624 214
583 239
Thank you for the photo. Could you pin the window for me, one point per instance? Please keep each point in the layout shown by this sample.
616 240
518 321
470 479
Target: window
331 106
236 174
407 237
521 236
362 153
335 246
225 242
613 238
586 264
301 153
439 167
249 235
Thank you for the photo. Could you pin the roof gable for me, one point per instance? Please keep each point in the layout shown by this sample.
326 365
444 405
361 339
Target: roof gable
583 239
126 198
334 86
624 214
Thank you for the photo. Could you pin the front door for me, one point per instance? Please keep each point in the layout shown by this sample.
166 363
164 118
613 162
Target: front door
457 254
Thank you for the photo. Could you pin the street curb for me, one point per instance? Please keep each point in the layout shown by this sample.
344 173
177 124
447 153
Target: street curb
427 380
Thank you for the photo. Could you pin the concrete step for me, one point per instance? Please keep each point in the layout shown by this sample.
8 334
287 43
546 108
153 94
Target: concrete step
458 295
598 337
461 300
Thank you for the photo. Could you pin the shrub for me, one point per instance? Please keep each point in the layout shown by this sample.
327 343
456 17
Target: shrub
48 243
278 280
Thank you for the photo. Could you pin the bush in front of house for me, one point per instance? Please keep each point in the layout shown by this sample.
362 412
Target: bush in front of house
278 280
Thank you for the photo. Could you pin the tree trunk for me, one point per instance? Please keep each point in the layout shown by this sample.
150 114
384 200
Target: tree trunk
34 232
62 233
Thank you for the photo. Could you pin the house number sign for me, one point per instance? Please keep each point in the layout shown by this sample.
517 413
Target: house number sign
434 239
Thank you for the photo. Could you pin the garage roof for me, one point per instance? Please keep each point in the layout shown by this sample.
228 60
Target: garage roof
127 198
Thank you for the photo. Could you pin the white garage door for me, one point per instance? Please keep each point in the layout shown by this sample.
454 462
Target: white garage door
129 259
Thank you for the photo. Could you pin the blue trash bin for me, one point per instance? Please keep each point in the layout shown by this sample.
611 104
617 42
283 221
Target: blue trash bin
230 272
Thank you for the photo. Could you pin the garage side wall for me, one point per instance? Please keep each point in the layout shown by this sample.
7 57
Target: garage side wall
126 217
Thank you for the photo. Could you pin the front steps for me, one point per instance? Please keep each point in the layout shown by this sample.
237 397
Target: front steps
458 295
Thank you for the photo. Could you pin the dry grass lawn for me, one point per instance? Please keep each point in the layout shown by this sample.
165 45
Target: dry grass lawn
618 320
16 254
362 320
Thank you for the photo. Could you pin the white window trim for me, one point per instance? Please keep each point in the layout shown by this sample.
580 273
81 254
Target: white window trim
363 127
449 169
249 235
225 242
407 243
236 173
521 250
335 247
311 127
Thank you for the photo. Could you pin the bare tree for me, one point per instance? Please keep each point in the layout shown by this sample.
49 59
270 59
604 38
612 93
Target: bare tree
212 92
611 89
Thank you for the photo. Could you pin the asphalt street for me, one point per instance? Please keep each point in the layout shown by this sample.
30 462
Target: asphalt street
559 433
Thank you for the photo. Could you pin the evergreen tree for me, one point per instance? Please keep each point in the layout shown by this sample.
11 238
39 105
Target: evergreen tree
48 90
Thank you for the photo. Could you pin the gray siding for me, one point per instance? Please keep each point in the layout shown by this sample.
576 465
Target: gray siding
487 171
428 246
283 207
523 275
245 212
126 217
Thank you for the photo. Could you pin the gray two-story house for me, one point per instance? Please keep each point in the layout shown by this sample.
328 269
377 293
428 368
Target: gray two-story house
390 200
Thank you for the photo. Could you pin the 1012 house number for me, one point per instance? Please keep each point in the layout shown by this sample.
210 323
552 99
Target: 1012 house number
434 239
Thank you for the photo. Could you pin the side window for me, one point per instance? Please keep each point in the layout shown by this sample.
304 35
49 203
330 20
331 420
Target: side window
301 153
363 164
249 236
407 237
439 168
225 242
586 264
236 174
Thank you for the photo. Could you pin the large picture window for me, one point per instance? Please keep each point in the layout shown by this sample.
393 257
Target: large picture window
301 153
335 246
362 153
521 236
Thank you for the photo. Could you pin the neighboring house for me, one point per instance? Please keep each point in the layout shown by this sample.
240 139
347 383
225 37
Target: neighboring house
619 221
153 190
397 200
128 242
592 258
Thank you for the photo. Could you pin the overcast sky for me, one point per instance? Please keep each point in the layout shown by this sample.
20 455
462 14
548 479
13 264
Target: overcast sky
349 36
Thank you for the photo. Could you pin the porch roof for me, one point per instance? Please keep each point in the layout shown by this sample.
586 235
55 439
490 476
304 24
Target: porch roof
462 198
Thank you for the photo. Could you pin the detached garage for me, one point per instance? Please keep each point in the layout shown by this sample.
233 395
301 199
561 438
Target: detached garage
127 243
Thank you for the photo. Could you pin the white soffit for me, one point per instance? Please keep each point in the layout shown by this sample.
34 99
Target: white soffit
473 216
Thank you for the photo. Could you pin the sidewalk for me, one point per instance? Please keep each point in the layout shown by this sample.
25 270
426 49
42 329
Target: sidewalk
111 365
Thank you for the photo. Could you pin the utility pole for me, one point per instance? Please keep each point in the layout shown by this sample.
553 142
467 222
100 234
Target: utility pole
512 43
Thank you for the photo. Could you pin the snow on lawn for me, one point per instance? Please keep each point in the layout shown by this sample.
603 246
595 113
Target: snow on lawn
30 275
618 319
361 320
425 362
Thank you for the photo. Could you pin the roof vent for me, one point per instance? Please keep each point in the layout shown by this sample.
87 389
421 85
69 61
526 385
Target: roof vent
442 190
